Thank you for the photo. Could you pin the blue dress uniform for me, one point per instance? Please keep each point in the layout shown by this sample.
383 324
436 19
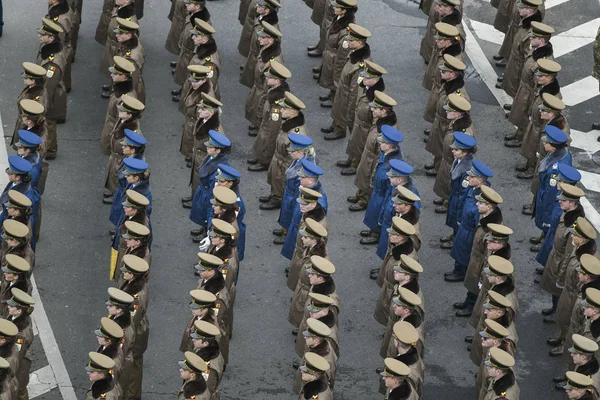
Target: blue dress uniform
398 168
308 169
292 182
458 174
468 221
22 167
32 141
207 172
131 166
131 139
570 175
381 182
545 196
227 173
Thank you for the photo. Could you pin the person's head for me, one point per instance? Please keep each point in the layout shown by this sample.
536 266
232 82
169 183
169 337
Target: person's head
18 205
356 37
217 143
201 302
405 303
456 107
406 270
582 232
463 145
496 306
318 305
394 373
291 106
451 68
390 138
405 336
193 6
309 174
404 200
119 302
546 71
445 7
312 233
493 334
400 231
134 203
498 363
134 268
371 74
14 233
267 34
316 332
498 269
308 199
126 29
33 74
208 106
487 200
208 265
554 139
478 174
578 385
49 31
446 35
582 350
204 334
121 69
569 195
276 74
382 105
313 367
130 108
201 32
99 366
319 270
192 367
28 143
109 332
342 7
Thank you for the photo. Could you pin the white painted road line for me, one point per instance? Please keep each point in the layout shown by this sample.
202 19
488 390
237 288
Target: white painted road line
3 157
41 381
575 38
580 91
61 376
488 76
590 180
482 65
585 141
562 44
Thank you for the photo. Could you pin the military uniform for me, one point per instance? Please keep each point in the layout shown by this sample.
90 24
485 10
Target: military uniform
444 32
138 289
53 58
317 330
177 15
203 307
128 19
270 122
8 383
257 96
281 159
447 11
247 10
209 351
396 379
506 386
20 268
124 302
336 53
132 50
121 66
248 44
325 308
133 107
206 55
520 47
62 15
498 334
36 92
371 151
186 42
195 388
363 117
105 388
190 101
344 101
110 330
315 366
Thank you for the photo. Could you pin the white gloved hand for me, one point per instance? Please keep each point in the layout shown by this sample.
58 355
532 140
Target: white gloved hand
204 244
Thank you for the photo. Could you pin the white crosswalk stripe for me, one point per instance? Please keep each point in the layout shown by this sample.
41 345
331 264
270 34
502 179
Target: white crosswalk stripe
585 141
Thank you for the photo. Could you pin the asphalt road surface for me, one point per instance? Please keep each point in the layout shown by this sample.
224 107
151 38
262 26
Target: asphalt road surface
73 253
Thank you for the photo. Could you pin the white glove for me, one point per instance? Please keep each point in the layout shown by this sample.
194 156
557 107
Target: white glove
204 244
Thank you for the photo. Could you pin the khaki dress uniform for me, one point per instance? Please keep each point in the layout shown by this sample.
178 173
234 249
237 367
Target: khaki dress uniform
205 395
201 129
187 46
246 10
248 45
503 15
281 159
479 252
134 52
126 13
370 157
326 351
444 88
36 92
454 18
518 53
334 338
519 113
102 27
335 55
122 299
344 102
322 15
270 124
178 16
111 176
446 32
258 94
566 301
76 9
110 121
554 273
488 393
54 58
514 19
64 17
363 120
208 56
9 388
188 106
24 341
113 393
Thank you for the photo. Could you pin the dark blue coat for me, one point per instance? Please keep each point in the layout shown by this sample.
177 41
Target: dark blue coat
201 201
387 213
290 238
291 192
548 243
458 190
547 189
463 241
381 184
35 173
241 242
116 208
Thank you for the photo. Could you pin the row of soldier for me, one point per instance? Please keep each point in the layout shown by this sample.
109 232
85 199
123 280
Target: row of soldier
566 245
